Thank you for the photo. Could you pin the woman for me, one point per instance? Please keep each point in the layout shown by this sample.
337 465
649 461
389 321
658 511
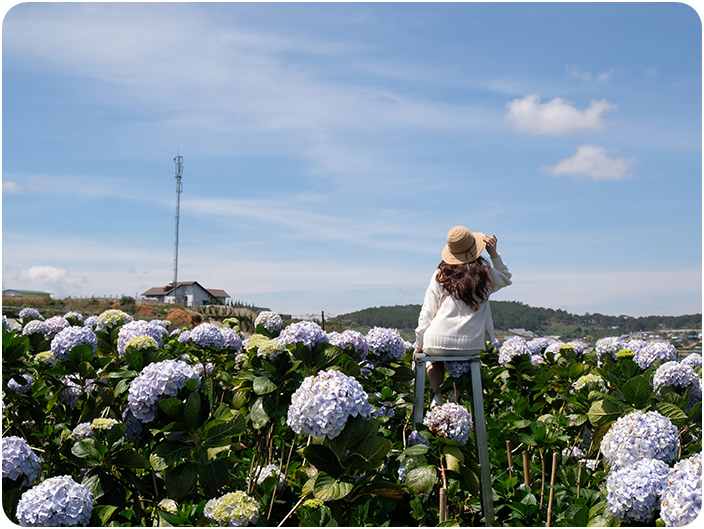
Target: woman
456 318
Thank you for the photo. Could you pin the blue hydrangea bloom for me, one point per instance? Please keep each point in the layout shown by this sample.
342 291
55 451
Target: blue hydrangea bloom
18 388
35 327
231 339
634 490
457 369
271 321
56 324
74 388
133 426
137 328
77 315
386 343
610 345
416 438
28 314
66 340
91 322
451 421
538 345
207 335
681 500
636 345
234 509
675 375
648 355
512 347
57 501
184 337
82 431
19 461
407 465
322 404
156 381
307 332
268 471
692 360
639 436
350 337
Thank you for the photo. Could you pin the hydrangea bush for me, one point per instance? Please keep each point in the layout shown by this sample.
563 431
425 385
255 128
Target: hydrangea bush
57 501
634 490
681 499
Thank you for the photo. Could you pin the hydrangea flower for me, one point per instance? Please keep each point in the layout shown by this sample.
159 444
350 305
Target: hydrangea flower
407 465
142 343
46 358
82 431
207 369
536 359
91 322
692 360
73 389
271 321
675 375
66 340
18 460
512 347
634 490
28 314
56 325
324 403
681 499
457 369
636 345
6 323
386 343
36 327
578 348
184 337
350 337
112 318
207 335
156 381
538 345
610 345
103 423
18 388
232 339
648 355
307 332
451 421
574 451
639 436
74 318
235 509
271 348
554 348
140 328
416 438
57 501
584 380
133 426
270 470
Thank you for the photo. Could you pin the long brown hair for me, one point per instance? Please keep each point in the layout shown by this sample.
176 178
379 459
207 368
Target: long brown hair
469 282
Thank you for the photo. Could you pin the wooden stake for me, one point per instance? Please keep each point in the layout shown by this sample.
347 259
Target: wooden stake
542 478
526 469
552 486
443 505
579 478
510 458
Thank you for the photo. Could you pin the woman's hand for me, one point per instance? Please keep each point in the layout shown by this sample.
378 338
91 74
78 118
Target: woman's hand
491 245
418 350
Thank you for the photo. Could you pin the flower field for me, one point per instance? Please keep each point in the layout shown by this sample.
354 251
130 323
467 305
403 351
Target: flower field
110 421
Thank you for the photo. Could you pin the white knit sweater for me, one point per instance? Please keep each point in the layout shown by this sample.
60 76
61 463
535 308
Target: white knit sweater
456 326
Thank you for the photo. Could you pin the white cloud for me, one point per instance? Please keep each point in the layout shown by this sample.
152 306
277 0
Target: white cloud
11 188
557 117
55 280
592 162
576 72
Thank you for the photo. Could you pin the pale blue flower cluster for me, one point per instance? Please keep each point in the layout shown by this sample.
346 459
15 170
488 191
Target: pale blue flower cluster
235 509
639 436
634 490
271 321
140 328
270 470
6 324
636 345
651 353
203 370
457 369
536 359
677 376
18 388
133 426
74 386
538 345
36 327
511 348
184 337
692 359
574 451
112 318
156 381
72 314
351 337
57 501
681 500
232 341
307 332
386 343
56 324
322 404
610 345
82 431
19 461
207 335
66 340
407 465
91 322
415 438
451 421
28 314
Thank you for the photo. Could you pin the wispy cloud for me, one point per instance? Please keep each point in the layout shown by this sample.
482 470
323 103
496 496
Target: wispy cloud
11 188
587 77
594 163
48 278
557 117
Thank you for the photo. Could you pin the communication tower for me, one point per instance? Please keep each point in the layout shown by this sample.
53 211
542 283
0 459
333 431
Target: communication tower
178 162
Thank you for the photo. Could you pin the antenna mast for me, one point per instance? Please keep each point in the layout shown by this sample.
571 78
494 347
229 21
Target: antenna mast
178 161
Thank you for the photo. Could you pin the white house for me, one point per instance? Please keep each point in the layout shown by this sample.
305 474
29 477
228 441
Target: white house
191 293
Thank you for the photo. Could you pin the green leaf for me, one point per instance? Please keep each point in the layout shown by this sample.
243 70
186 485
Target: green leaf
213 474
454 457
191 384
134 358
383 488
101 514
324 459
374 449
636 391
603 411
326 355
258 415
415 450
172 407
225 429
421 479
263 385
170 452
191 411
180 480
672 412
86 450
97 482
328 488
130 459
81 353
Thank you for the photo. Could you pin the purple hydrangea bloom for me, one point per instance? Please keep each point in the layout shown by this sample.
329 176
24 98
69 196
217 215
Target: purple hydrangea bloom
636 345
610 345
139 328
538 345
648 355
184 337
350 337
451 421
133 426
512 347
386 343
271 321
416 438
457 369
18 388
73 388
639 436
18 460
681 500
91 322
322 404
692 360
56 324
6 324
536 359
57 501
307 332
232 339
675 375
156 381
36 327
69 338
207 335
28 314
634 490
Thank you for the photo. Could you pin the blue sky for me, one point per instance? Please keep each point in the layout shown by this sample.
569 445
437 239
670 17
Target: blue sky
329 147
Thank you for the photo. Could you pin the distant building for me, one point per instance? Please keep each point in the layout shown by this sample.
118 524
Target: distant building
14 292
191 293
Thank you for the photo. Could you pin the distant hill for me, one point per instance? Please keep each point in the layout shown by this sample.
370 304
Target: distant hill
514 314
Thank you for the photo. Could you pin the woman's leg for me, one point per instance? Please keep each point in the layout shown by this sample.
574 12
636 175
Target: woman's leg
436 375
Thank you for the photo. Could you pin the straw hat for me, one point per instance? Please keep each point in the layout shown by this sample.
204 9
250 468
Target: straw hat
463 246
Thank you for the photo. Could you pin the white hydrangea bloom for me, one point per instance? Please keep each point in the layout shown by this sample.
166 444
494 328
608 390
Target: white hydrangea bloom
681 501
57 501
235 509
18 460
